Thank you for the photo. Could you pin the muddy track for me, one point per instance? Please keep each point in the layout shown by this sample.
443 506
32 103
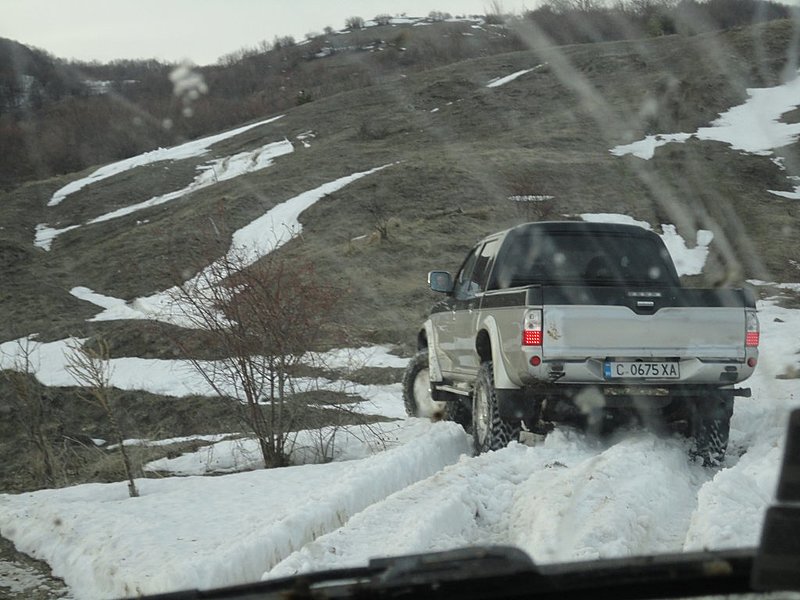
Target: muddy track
24 578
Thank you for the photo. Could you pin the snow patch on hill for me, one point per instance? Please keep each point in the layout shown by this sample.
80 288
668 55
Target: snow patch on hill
753 127
187 150
252 242
48 362
210 173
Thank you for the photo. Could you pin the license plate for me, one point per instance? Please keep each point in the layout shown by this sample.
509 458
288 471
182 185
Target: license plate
641 370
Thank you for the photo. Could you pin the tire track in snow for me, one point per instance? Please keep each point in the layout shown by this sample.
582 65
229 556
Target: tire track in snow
634 497
571 497
463 504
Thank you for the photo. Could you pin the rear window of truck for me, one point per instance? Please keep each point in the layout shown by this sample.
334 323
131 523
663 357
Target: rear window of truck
593 259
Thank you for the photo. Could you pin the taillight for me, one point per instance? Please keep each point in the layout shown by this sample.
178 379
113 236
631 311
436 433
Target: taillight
532 328
751 330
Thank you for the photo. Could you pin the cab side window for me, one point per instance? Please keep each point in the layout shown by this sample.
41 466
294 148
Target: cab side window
464 286
483 266
474 274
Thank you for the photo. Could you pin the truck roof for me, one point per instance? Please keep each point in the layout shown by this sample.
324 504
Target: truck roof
578 226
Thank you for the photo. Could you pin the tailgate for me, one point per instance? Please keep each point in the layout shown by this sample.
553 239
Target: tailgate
582 323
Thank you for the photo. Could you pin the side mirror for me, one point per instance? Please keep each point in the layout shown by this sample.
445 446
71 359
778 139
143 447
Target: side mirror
440 281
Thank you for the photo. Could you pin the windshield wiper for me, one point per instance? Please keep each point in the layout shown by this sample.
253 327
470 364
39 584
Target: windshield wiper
507 572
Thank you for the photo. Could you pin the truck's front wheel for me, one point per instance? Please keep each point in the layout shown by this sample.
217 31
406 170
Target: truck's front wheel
417 389
489 431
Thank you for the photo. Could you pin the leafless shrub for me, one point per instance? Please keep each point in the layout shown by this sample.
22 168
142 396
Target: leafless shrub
380 217
437 15
354 23
91 369
533 208
261 318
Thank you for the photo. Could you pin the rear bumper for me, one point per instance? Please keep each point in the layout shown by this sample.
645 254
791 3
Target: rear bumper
526 403
693 371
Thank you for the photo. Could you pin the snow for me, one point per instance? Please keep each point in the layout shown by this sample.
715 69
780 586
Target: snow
179 378
279 225
215 437
404 486
504 80
344 443
588 505
210 173
200 532
688 261
49 362
187 150
45 235
646 148
795 195
753 127
498 81
795 287
252 242
355 358
410 486
22 581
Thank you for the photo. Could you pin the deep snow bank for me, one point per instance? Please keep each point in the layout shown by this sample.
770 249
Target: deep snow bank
203 532
730 507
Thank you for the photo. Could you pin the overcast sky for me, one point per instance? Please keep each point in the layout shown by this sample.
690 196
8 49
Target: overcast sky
198 30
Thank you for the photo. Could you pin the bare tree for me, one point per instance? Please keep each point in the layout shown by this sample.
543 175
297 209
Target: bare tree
437 15
354 23
260 320
92 370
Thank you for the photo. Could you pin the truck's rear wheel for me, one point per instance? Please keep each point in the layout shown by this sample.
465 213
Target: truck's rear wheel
710 425
417 389
489 431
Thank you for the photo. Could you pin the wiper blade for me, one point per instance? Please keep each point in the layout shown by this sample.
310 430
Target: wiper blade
662 576
507 572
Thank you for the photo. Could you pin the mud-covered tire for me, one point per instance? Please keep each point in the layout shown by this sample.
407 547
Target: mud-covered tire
489 431
710 426
417 391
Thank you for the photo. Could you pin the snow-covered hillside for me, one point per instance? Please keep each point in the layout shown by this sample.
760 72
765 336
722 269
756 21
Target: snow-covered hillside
405 485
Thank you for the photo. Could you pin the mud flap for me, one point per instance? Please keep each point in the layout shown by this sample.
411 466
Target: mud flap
515 405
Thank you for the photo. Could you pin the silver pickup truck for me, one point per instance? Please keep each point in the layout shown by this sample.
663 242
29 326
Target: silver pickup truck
585 324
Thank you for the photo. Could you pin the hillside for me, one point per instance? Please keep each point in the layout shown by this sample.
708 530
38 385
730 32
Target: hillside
459 150
59 116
